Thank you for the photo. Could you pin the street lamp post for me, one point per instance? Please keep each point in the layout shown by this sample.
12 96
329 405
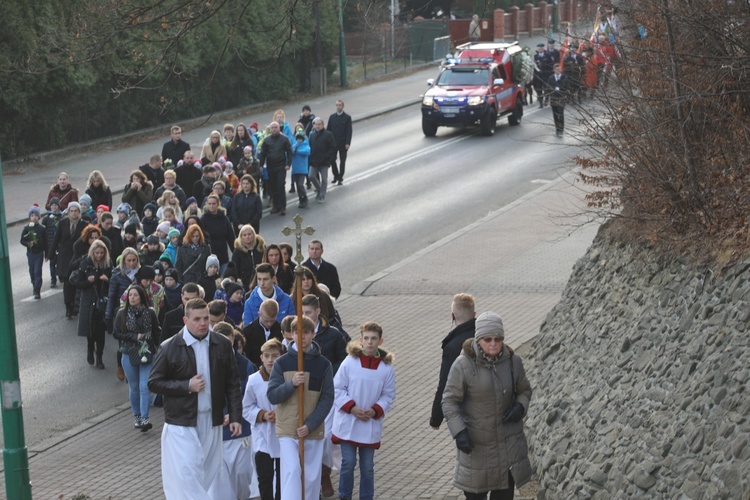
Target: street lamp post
15 454
342 45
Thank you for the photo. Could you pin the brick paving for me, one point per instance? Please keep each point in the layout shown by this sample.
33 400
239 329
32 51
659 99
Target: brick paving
515 261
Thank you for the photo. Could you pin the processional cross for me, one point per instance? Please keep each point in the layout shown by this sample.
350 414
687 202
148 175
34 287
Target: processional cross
298 232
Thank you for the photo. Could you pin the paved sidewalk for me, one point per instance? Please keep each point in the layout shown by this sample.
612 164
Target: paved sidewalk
515 261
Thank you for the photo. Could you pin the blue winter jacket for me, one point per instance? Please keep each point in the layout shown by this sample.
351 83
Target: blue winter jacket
252 305
300 155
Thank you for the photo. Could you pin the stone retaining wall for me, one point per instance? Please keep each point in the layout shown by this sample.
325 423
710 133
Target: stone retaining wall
641 377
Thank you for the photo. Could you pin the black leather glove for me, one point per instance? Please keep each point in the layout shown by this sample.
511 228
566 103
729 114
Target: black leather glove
514 413
463 441
110 323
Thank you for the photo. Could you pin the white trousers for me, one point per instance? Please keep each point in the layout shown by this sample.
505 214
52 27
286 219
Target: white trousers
291 481
191 458
235 479
331 452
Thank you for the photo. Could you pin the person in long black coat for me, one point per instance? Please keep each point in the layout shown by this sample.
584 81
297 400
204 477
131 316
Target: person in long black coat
68 231
246 207
95 272
462 311
216 224
340 124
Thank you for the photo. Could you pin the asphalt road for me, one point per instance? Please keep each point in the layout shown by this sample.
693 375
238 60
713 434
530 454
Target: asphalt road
402 192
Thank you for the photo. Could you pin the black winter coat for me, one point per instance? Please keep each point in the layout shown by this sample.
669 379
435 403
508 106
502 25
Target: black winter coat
100 196
175 151
118 283
191 264
255 337
326 274
322 148
332 343
341 127
245 263
246 209
50 222
88 318
222 235
452 344
62 246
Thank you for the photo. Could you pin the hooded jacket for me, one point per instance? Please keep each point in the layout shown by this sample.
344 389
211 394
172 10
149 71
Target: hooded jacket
318 393
476 397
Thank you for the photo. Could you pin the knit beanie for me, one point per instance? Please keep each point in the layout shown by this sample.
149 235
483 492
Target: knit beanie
85 199
54 201
74 204
172 232
150 206
164 227
35 210
124 207
190 201
230 287
489 324
212 260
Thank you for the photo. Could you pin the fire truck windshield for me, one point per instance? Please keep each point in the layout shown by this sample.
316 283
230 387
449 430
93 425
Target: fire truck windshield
464 76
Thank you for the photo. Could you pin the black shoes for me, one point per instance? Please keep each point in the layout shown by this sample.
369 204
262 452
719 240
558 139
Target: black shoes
90 357
99 362
146 425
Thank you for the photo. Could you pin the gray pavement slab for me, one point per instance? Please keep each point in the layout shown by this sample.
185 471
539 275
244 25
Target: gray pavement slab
515 261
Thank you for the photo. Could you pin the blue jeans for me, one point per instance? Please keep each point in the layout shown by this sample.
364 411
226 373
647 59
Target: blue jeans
35 268
366 471
140 398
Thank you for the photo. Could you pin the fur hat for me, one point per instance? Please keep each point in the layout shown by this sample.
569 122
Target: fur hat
489 324
145 273
212 260
35 210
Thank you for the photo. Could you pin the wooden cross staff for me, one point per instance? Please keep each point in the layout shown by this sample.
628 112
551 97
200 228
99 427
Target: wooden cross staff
298 232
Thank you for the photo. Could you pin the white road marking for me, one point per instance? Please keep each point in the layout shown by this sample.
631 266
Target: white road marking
44 294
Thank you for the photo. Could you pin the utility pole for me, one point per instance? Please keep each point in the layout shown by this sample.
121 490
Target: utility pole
554 16
342 45
15 454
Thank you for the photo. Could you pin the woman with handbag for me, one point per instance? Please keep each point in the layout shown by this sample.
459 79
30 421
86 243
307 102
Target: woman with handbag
137 329
192 255
93 282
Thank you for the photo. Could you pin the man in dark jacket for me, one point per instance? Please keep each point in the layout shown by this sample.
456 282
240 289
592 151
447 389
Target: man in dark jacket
203 186
322 155
196 373
324 272
187 173
464 317
173 320
276 154
340 124
68 231
109 230
174 149
153 171
557 89
331 341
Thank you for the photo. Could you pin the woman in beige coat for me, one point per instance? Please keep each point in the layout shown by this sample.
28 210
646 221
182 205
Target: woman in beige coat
485 399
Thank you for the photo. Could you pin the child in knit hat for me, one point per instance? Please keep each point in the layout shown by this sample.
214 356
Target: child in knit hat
173 237
50 222
86 208
149 220
34 238
209 278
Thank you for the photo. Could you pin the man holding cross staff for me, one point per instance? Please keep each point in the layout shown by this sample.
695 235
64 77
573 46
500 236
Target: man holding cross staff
303 370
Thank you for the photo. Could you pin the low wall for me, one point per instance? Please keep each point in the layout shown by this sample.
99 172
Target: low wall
641 378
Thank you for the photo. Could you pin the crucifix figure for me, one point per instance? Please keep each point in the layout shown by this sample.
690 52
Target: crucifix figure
298 232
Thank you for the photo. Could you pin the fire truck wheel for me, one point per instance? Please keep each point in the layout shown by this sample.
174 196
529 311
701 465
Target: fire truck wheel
429 127
489 122
515 117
